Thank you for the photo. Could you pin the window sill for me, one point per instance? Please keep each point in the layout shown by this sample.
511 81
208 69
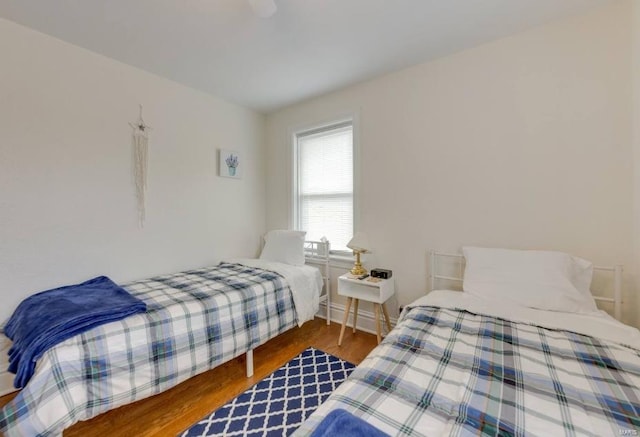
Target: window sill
341 261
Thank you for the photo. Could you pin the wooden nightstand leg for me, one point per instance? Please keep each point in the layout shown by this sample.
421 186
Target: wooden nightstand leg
355 314
376 307
386 317
344 320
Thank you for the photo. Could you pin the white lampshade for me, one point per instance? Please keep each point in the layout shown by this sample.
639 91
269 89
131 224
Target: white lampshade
359 242
264 8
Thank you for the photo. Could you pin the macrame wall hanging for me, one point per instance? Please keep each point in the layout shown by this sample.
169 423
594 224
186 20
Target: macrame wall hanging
140 142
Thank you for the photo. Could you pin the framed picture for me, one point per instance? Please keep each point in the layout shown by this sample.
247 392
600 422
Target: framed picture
230 164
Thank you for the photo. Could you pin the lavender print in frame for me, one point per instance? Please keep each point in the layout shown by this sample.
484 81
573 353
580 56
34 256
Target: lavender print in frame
230 164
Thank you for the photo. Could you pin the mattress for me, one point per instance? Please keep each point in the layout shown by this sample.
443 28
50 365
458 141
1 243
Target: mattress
458 366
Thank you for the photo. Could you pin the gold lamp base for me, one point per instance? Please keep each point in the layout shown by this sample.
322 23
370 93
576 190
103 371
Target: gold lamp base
357 269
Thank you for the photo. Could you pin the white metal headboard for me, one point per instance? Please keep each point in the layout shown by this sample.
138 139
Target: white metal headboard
457 276
317 253
317 250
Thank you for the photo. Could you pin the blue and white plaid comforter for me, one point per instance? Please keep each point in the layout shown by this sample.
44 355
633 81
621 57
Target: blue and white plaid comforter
451 372
195 321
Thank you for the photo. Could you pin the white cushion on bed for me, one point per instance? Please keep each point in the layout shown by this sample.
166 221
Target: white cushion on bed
582 275
284 246
545 280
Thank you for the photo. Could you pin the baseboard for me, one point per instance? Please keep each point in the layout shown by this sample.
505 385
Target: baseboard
366 319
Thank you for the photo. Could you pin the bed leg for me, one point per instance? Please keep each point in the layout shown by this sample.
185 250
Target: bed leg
249 363
328 313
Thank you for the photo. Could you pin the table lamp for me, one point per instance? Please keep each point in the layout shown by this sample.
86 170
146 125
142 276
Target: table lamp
359 244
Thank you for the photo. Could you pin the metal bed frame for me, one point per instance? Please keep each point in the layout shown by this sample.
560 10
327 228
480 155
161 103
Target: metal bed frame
317 253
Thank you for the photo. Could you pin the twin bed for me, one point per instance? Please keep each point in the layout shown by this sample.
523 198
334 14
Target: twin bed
459 363
194 321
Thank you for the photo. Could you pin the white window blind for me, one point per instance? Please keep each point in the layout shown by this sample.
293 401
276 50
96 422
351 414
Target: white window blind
324 197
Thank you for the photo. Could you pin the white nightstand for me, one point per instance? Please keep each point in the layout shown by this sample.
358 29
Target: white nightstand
374 290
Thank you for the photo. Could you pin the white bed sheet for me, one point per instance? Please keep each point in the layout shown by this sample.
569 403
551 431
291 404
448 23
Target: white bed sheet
598 324
305 283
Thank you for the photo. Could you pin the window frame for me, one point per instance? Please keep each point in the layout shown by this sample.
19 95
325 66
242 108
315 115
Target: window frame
311 128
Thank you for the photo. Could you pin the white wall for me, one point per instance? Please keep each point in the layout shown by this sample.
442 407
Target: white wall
636 134
524 143
67 199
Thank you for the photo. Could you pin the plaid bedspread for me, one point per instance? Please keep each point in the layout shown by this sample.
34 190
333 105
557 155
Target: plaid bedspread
195 320
450 372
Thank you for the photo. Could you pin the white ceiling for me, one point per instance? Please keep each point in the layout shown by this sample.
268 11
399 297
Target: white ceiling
309 47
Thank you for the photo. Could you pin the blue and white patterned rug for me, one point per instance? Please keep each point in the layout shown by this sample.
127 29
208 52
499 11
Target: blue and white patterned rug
278 404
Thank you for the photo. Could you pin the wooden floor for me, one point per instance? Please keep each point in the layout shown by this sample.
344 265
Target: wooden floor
171 412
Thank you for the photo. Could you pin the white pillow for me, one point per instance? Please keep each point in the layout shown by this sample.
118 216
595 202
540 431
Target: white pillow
582 276
544 280
284 246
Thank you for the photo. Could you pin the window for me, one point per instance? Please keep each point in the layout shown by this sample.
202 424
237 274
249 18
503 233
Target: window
323 174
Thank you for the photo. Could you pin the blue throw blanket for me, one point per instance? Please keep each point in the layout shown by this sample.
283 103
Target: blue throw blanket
45 319
340 422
